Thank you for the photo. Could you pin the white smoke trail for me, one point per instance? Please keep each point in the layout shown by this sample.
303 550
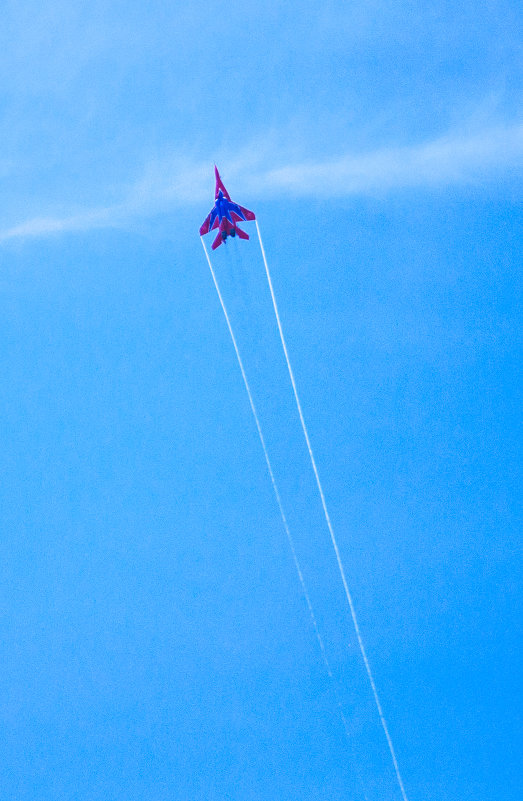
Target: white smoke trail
279 502
331 530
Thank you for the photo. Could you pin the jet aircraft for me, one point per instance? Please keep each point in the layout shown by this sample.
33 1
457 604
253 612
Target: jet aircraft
225 215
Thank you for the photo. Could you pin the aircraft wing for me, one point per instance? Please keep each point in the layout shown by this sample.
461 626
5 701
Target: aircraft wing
210 222
240 212
249 215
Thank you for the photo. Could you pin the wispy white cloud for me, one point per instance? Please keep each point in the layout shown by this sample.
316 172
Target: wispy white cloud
448 160
161 188
42 226
174 183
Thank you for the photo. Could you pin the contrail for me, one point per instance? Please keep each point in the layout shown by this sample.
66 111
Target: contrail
279 502
331 530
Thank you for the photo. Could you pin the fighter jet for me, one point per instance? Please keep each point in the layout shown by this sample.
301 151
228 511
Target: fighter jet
225 215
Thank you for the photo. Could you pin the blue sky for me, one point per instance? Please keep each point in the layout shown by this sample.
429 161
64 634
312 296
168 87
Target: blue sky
155 643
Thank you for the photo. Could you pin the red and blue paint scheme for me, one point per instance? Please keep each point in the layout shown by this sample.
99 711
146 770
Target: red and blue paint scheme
225 215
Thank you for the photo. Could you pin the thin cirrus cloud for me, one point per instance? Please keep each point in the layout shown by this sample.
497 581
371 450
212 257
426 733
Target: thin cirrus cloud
447 160
451 159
